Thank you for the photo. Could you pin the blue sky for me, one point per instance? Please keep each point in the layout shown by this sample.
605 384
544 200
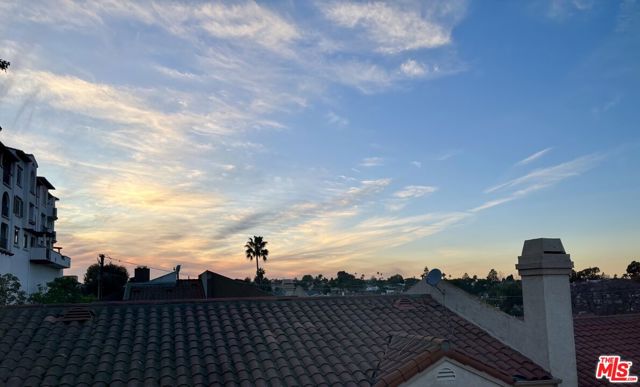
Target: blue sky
358 136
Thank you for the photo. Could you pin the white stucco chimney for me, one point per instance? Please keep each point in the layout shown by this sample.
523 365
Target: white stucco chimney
545 269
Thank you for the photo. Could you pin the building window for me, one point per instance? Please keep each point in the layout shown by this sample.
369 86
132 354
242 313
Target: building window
25 240
32 213
6 170
4 236
16 236
33 182
43 222
33 241
19 176
5 205
18 207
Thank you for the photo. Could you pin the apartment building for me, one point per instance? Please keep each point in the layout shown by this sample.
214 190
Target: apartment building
27 222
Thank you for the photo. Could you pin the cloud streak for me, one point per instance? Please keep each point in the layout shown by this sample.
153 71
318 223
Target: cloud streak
544 177
533 157
372 162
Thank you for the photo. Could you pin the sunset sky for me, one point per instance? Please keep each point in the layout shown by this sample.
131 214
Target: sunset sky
351 135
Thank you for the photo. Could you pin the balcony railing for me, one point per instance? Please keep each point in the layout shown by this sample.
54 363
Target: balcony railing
46 256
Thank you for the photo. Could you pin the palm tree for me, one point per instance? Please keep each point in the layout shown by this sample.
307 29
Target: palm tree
255 248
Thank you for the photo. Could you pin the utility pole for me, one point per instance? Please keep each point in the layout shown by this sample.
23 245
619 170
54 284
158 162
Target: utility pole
101 262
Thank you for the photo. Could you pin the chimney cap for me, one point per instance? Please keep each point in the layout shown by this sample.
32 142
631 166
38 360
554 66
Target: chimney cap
544 256
543 246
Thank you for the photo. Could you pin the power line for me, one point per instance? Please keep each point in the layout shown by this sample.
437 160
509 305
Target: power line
150 267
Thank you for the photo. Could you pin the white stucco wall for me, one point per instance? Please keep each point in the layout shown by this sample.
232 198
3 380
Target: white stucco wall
41 275
508 329
30 275
18 261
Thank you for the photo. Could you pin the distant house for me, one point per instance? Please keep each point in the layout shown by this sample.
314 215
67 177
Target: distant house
287 287
605 297
420 339
170 287
27 222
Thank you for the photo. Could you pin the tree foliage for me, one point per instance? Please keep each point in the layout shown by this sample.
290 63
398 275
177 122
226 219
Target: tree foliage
255 248
4 65
261 280
10 292
633 270
590 273
114 278
395 279
505 294
62 290
493 276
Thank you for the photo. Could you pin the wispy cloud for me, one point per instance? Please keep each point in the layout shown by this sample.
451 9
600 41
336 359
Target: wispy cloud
610 104
448 154
335 119
416 164
414 191
563 9
401 198
392 28
412 68
539 179
372 162
533 157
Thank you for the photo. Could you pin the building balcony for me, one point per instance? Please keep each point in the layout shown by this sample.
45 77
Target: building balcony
46 256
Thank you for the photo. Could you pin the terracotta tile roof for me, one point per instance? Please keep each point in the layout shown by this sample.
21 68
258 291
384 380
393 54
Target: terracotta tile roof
408 355
242 342
605 335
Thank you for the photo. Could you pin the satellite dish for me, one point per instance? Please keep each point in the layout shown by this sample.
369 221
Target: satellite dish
434 277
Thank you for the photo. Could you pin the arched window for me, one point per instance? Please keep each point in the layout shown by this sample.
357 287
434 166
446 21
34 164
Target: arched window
5 205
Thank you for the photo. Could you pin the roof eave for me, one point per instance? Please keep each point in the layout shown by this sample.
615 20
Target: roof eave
43 180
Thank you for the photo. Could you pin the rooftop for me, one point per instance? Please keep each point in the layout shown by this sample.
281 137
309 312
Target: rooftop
243 342
605 335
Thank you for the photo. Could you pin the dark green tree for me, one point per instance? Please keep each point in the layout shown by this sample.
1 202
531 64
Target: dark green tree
395 279
493 276
633 270
590 273
261 280
62 290
4 65
10 292
256 249
306 281
114 278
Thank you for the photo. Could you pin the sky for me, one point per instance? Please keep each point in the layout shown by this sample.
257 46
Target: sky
359 136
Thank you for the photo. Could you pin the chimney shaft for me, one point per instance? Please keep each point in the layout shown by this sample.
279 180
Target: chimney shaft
545 269
142 274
